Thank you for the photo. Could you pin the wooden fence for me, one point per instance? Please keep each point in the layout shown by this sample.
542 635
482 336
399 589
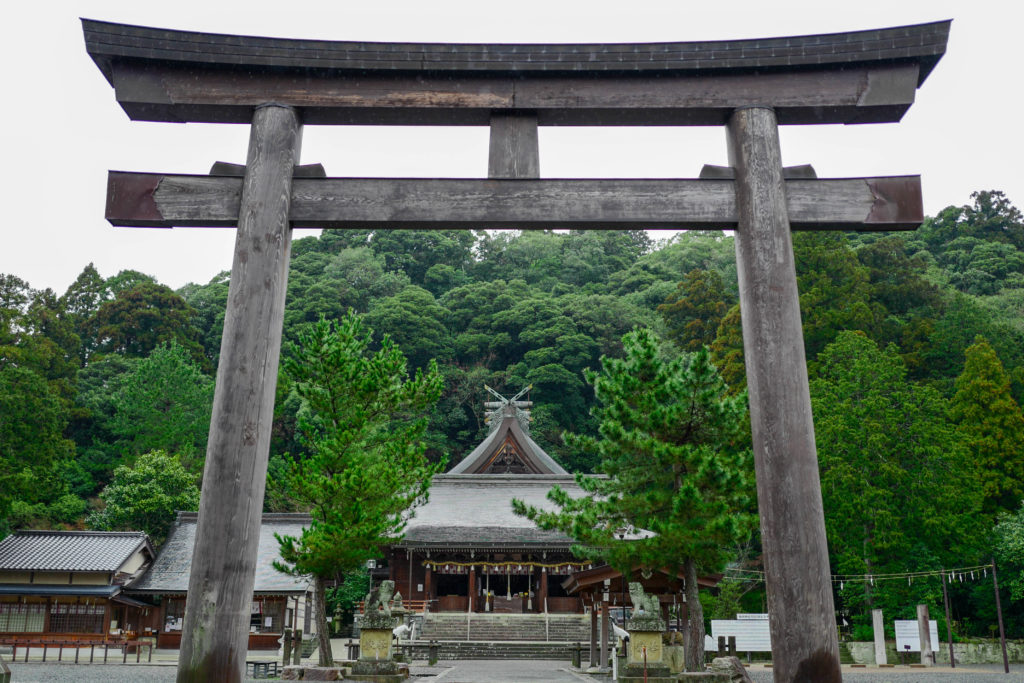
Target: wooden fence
125 646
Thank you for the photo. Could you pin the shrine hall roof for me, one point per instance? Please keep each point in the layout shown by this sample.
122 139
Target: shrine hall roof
475 511
71 551
528 449
172 567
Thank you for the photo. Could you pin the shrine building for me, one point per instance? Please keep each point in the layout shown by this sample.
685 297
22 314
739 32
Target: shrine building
466 551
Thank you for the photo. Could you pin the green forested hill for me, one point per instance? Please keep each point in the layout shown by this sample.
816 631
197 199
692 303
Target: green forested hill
915 345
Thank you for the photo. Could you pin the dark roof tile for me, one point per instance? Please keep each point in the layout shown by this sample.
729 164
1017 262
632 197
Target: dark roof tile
170 572
70 551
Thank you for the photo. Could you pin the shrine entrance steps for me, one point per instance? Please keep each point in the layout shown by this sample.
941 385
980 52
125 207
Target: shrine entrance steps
476 649
505 628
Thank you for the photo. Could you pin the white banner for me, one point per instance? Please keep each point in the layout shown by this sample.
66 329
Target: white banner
908 634
752 635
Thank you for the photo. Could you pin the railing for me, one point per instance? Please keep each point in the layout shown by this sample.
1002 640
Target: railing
409 605
78 646
5 673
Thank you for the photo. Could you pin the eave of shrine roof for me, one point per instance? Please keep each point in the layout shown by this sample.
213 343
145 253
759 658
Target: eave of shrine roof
169 573
921 43
476 510
482 454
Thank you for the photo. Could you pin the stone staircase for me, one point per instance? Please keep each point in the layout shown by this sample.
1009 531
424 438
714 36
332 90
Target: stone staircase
467 649
564 628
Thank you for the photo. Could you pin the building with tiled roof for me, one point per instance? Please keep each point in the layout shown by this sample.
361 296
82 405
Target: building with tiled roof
279 600
465 550
71 583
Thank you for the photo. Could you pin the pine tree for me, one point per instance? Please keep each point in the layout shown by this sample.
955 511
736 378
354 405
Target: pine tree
667 430
992 425
363 422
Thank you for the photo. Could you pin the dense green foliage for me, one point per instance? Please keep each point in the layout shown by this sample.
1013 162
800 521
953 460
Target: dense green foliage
1009 542
145 496
508 309
900 490
678 491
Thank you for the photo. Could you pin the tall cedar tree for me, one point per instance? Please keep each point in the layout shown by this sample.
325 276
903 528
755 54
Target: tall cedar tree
898 490
363 422
666 434
992 425
693 312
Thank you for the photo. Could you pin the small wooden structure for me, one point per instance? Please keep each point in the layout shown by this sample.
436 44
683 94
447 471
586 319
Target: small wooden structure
748 86
278 601
68 586
606 592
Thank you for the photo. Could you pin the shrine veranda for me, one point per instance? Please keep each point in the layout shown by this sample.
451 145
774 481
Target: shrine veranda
750 87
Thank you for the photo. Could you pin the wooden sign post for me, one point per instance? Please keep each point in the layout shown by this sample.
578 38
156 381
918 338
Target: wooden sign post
748 86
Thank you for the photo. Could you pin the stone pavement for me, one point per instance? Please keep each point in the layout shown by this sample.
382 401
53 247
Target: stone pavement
500 671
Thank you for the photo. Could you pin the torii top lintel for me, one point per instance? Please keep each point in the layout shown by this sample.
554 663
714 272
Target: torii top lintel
856 77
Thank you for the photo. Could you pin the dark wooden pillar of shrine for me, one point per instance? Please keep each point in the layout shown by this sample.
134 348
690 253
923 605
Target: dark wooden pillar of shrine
471 591
605 633
216 628
802 617
542 594
593 630
428 585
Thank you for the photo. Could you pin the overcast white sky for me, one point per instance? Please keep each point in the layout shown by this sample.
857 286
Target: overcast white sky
61 129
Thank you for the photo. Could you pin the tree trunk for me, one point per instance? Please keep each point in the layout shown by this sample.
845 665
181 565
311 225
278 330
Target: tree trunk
694 638
323 635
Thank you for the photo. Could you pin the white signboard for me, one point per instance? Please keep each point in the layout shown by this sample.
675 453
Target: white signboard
751 632
908 633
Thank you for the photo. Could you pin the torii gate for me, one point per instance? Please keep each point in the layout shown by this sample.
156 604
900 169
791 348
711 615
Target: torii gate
748 86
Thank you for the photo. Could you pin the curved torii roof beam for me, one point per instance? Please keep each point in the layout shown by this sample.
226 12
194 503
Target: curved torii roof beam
855 77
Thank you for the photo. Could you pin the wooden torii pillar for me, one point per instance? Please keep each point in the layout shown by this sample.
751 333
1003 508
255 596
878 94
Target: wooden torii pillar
748 86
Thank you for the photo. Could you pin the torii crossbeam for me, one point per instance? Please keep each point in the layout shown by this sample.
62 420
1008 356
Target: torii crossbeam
747 86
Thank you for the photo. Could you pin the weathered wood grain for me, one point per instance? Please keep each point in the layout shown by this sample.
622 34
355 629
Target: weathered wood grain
855 94
924 635
216 628
514 146
802 619
153 200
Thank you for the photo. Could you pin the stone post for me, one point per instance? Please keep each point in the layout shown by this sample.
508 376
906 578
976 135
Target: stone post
645 659
879 627
925 632
376 656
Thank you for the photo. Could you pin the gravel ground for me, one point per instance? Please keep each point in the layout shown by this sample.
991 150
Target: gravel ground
972 674
32 672
501 672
